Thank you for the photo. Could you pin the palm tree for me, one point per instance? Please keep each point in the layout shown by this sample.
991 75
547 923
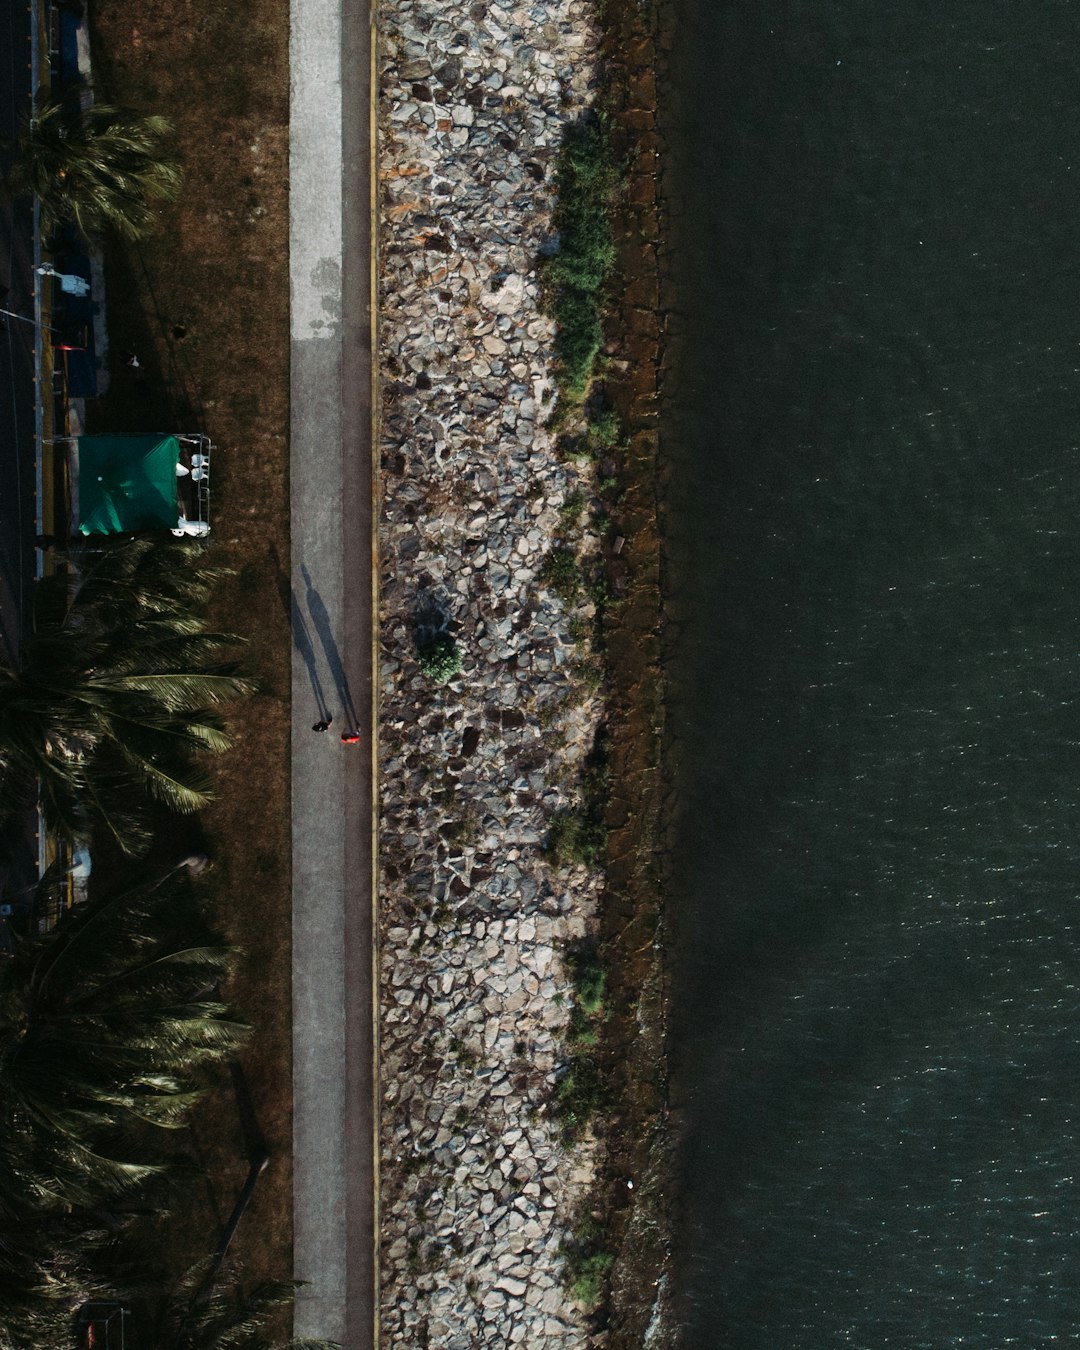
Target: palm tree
117 688
102 167
212 1313
101 1023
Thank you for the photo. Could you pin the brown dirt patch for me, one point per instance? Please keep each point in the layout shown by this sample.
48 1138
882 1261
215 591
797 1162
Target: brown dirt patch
218 269
634 1049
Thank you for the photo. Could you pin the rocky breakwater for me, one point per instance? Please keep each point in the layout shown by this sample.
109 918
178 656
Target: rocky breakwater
477 1186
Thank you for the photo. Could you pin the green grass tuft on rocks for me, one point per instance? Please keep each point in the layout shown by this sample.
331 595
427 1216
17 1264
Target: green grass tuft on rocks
439 658
561 574
576 274
586 1261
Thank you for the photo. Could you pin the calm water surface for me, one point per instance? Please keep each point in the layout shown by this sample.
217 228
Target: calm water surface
874 526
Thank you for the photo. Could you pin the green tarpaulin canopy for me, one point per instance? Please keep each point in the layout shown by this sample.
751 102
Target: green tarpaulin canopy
127 483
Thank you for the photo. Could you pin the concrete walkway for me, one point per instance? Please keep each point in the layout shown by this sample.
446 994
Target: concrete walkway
334 1078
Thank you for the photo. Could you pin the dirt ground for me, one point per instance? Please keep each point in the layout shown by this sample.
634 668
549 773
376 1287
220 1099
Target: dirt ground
632 926
204 307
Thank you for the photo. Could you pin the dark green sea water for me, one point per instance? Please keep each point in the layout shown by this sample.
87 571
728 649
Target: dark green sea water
874 532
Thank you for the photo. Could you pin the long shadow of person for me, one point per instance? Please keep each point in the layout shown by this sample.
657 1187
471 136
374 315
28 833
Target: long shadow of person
301 635
321 620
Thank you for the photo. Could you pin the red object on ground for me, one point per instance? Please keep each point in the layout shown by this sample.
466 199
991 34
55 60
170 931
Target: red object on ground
349 737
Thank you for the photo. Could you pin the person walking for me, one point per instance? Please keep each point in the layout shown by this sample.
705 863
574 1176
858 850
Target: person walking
349 737
322 725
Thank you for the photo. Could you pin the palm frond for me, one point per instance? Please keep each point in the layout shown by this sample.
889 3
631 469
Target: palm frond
179 691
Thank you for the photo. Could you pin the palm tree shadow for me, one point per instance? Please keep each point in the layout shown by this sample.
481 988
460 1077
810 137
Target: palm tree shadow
321 620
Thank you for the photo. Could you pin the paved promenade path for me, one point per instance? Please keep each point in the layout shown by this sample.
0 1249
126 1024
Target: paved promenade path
334 1084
